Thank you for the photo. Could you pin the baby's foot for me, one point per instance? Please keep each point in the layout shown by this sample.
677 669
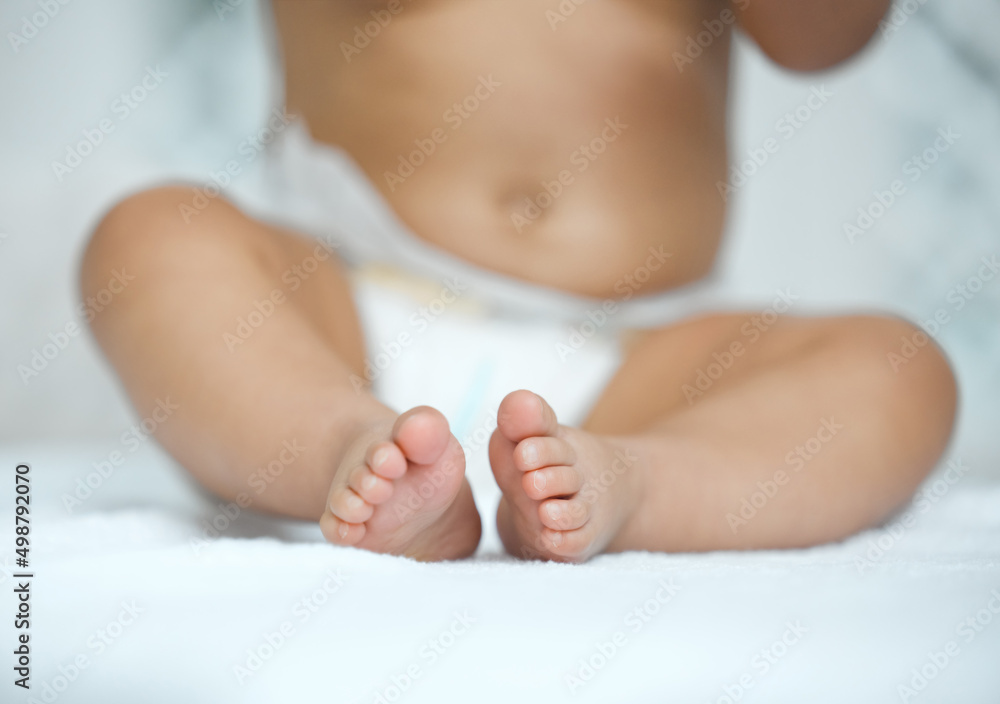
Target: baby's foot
401 489
567 493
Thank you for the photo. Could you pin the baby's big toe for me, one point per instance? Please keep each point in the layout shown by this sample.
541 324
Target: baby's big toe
422 433
523 414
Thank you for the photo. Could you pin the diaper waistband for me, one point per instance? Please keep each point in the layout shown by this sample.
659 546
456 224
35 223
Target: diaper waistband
325 193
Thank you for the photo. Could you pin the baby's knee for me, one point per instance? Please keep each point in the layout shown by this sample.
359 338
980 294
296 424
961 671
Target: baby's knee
161 229
155 218
908 356
907 371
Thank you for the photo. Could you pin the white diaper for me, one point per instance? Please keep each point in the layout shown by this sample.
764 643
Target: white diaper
439 349
443 332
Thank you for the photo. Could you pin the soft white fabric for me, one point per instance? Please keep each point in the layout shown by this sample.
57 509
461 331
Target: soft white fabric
143 537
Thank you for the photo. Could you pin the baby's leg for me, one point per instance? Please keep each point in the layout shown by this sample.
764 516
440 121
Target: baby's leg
807 435
275 387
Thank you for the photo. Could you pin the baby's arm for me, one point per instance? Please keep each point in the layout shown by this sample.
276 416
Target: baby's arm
810 35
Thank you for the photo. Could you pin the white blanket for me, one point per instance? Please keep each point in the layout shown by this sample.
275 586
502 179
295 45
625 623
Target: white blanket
120 589
135 583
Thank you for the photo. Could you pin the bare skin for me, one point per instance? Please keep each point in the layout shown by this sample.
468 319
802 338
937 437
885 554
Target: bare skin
652 468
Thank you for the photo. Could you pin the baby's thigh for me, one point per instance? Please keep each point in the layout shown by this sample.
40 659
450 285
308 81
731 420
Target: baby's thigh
208 254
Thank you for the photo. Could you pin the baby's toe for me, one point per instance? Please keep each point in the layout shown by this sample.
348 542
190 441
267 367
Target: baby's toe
551 481
563 514
369 486
340 532
386 460
422 434
346 505
543 451
571 545
523 414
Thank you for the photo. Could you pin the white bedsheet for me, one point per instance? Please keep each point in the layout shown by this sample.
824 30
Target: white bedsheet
836 623
864 631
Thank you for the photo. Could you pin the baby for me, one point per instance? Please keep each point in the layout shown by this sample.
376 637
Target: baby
564 144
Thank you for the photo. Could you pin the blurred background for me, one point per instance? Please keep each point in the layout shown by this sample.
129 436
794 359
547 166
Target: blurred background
166 91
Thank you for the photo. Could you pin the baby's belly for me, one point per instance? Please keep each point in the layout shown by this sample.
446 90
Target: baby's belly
556 148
